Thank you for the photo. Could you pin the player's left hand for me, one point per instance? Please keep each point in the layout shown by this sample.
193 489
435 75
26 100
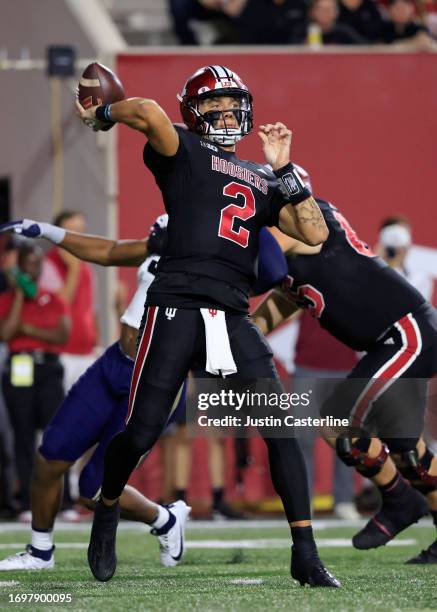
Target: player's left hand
88 117
276 139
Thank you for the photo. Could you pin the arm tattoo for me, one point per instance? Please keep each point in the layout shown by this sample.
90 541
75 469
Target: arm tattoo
308 212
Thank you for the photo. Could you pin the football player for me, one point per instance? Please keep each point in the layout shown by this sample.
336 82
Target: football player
95 410
367 305
217 204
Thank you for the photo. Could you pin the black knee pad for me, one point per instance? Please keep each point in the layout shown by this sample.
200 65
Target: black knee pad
416 470
346 449
355 454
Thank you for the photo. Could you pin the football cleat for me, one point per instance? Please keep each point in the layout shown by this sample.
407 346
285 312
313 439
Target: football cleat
308 569
426 557
26 561
386 525
102 557
172 540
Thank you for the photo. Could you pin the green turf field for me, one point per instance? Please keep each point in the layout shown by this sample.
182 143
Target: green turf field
234 578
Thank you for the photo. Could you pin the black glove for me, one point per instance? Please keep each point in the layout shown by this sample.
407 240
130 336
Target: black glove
157 239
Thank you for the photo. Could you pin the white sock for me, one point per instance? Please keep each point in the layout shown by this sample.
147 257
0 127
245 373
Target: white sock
162 518
42 540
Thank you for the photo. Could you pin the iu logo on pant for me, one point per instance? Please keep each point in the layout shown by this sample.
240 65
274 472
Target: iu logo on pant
170 313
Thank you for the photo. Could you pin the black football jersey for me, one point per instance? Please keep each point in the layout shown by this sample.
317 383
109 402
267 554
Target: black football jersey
216 203
355 295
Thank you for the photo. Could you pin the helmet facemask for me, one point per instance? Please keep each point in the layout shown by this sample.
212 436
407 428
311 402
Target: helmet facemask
225 136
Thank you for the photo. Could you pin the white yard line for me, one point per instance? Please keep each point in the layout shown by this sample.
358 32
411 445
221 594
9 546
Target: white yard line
248 581
282 543
231 544
257 524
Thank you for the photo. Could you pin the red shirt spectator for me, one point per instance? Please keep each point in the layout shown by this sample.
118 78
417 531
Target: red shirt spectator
45 311
33 322
73 280
83 336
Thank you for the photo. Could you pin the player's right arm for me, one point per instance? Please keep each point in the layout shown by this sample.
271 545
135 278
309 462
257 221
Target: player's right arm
290 245
140 114
94 249
105 252
273 310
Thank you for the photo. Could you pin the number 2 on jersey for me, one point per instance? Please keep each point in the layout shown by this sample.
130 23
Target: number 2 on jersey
233 211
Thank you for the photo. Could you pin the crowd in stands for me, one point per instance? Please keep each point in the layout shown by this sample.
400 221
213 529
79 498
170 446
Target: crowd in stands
404 24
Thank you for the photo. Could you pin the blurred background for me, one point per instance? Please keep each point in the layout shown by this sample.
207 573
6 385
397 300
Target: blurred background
354 79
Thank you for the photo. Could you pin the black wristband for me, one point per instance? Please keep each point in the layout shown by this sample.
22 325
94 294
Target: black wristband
292 185
103 114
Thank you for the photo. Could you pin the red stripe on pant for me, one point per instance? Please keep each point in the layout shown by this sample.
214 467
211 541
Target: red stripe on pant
143 349
391 371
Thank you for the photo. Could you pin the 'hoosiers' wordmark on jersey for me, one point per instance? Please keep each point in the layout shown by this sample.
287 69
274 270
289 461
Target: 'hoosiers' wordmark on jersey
219 164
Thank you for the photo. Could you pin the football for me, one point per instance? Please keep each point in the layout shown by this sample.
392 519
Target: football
99 85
